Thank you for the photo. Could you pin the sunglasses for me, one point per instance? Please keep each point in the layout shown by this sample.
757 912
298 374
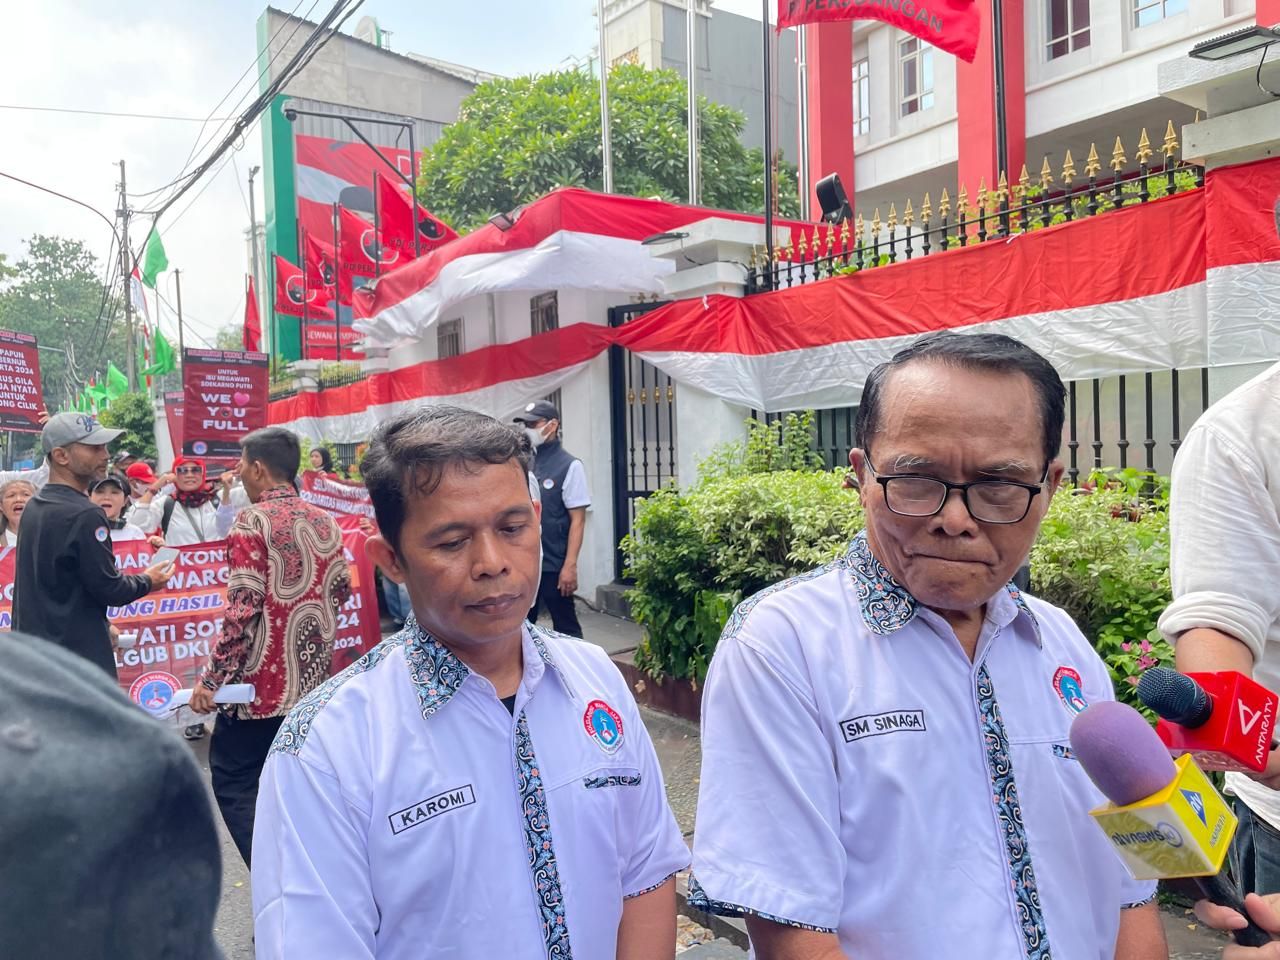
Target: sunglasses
187 470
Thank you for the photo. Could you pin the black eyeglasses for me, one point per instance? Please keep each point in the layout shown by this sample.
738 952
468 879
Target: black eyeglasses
988 501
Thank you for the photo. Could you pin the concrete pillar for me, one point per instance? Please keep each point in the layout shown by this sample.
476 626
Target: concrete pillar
976 101
829 52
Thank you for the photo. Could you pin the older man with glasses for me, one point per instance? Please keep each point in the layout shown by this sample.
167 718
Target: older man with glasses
886 766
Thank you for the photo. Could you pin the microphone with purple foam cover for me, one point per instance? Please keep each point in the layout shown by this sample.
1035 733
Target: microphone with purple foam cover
1165 819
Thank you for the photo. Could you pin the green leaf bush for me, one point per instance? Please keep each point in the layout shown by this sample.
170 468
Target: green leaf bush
1102 555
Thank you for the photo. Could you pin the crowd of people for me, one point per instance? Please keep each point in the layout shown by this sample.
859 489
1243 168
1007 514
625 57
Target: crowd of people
887 768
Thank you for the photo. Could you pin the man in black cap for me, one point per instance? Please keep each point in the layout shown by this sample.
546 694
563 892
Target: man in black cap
565 498
109 845
66 574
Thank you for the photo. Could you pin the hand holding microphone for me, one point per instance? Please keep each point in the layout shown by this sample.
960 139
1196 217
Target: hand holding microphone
1264 911
1165 819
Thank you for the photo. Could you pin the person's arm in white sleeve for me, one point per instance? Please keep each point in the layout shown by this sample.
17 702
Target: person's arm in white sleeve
37 477
766 761
1224 555
312 895
147 514
229 508
576 493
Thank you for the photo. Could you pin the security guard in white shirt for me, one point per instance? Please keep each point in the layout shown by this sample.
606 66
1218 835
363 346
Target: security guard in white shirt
886 772
474 786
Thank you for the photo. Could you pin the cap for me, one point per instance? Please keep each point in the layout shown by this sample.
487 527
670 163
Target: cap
112 480
125 455
542 410
141 471
64 429
148 886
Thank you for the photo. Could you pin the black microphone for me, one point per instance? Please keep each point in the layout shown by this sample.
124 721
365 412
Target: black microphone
1175 697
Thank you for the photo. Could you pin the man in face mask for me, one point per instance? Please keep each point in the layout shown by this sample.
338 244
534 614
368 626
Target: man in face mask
562 483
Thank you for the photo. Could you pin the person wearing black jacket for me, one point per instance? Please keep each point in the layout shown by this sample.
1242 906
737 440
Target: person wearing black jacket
66 574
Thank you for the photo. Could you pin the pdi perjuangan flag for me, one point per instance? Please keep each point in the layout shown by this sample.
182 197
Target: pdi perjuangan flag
950 25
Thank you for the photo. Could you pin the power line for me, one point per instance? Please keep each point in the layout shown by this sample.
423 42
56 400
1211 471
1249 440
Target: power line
79 203
105 113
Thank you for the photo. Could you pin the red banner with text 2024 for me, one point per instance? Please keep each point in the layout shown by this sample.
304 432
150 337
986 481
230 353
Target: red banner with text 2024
225 398
20 398
950 25
175 630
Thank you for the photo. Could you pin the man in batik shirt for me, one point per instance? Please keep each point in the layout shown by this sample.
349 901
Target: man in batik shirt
289 578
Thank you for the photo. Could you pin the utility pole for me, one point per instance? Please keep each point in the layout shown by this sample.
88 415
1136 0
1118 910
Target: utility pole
606 135
177 284
126 277
691 56
253 247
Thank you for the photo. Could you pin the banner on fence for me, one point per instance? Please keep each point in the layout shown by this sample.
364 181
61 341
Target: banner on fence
225 397
20 398
176 629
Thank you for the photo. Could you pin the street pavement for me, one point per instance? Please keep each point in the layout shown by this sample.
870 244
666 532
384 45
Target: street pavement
679 752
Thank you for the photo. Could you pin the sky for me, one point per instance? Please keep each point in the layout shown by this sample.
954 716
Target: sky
178 59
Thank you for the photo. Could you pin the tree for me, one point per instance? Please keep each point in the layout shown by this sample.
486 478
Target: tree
516 140
55 292
134 414
230 337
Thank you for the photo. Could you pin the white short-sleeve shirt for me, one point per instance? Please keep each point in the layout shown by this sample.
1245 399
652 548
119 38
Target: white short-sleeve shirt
576 493
861 776
403 812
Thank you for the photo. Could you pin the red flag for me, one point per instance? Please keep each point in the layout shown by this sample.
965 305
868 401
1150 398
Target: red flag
252 322
322 271
950 25
361 246
395 221
293 291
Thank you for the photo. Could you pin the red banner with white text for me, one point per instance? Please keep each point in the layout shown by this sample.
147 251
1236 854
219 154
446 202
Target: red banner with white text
20 397
226 398
169 634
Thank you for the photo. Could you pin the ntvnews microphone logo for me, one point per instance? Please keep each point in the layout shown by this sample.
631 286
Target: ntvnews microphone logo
1163 832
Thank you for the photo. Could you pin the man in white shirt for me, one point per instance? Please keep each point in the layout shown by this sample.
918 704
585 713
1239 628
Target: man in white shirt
474 786
886 767
1225 567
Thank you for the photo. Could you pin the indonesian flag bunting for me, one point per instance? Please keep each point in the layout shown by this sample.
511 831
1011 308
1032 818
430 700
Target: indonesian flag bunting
361 247
252 337
137 297
294 297
321 262
396 221
950 25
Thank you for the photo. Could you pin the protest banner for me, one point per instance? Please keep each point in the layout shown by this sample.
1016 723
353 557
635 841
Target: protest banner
20 397
177 628
174 404
225 397
335 496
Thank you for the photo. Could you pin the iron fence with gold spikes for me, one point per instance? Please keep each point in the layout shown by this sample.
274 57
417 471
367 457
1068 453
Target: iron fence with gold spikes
995 213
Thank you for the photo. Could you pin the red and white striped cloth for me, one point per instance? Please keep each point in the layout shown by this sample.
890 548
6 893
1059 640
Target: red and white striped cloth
1186 281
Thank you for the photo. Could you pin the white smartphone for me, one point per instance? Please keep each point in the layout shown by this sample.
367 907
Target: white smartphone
165 555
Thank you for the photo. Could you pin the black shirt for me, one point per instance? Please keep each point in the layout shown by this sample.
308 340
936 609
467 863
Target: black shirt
510 704
66 574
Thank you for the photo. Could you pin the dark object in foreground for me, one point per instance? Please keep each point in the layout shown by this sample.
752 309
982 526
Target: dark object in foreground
109 846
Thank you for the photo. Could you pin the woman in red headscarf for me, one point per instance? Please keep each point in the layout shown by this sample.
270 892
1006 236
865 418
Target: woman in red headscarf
188 515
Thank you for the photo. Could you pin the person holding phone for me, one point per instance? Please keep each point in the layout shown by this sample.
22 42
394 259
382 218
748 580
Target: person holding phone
66 574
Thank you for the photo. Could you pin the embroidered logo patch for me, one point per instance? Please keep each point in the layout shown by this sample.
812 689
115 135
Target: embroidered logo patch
1070 689
877 724
432 807
152 691
603 725
101 534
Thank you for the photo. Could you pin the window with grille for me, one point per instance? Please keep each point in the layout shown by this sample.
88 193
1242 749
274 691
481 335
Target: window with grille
861 97
449 338
915 60
1147 12
1068 27
544 312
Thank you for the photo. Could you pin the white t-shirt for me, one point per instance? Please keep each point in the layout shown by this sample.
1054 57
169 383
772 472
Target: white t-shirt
861 776
575 492
401 806
1224 527
126 533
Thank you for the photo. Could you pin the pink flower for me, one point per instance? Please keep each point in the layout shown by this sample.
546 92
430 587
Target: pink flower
1126 647
1132 681
1146 645
1146 662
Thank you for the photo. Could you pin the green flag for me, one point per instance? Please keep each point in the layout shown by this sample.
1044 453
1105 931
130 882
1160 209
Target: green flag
164 358
95 396
82 403
154 261
117 382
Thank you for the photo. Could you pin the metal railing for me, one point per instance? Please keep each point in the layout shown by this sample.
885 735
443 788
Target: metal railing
995 214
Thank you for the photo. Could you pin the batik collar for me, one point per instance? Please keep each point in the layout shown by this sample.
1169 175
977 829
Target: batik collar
438 674
887 606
